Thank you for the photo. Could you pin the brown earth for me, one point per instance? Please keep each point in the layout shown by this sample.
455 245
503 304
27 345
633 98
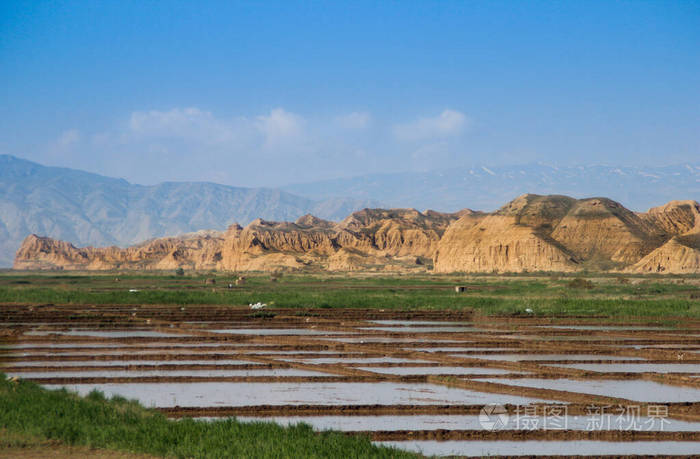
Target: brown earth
531 233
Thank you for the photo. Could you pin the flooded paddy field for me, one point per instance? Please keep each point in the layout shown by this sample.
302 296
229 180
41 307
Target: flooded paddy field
436 382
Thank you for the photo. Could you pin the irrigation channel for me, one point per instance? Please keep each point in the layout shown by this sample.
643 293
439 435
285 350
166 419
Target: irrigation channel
437 382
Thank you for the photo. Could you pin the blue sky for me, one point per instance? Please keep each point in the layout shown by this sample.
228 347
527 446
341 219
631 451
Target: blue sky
270 93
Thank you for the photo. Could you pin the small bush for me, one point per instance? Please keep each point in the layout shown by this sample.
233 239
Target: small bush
581 283
263 315
179 272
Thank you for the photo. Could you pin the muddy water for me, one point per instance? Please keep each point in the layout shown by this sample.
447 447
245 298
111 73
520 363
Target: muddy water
468 422
431 329
244 394
139 353
105 334
641 391
462 349
278 331
390 340
411 323
355 360
523 357
563 448
436 370
634 367
72 363
607 327
108 345
166 373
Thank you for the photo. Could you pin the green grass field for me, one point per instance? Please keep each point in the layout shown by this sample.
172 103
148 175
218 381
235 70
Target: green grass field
595 295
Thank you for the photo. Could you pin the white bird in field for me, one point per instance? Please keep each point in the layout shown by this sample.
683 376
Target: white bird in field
257 305
529 311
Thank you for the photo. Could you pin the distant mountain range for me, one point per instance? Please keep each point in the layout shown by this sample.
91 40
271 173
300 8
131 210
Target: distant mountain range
486 188
90 209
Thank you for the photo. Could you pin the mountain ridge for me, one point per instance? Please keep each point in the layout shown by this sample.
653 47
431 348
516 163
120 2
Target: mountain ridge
92 209
487 187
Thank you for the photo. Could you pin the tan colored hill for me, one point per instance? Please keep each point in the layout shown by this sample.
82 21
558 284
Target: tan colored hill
677 256
393 239
602 229
530 233
675 218
558 233
679 220
513 239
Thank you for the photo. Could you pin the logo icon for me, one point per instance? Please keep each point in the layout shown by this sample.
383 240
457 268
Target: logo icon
492 417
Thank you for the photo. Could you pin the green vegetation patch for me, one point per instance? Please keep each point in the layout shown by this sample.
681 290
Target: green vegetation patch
670 297
27 410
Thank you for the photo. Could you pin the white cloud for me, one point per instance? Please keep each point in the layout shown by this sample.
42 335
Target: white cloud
354 120
183 123
65 144
68 138
280 127
270 148
449 123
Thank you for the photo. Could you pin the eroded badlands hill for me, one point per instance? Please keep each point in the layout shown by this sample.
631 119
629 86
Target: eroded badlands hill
558 233
531 233
368 239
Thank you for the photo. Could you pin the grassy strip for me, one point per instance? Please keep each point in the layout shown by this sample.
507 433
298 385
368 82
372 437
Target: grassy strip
31 411
298 296
642 298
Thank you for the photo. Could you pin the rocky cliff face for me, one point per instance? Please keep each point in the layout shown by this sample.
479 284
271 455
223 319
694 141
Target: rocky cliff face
400 239
557 233
531 233
515 238
679 221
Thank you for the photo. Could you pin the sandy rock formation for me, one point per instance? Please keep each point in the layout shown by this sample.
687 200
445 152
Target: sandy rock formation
515 238
678 256
675 218
530 233
558 233
681 253
369 239
599 228
498 243
395 232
